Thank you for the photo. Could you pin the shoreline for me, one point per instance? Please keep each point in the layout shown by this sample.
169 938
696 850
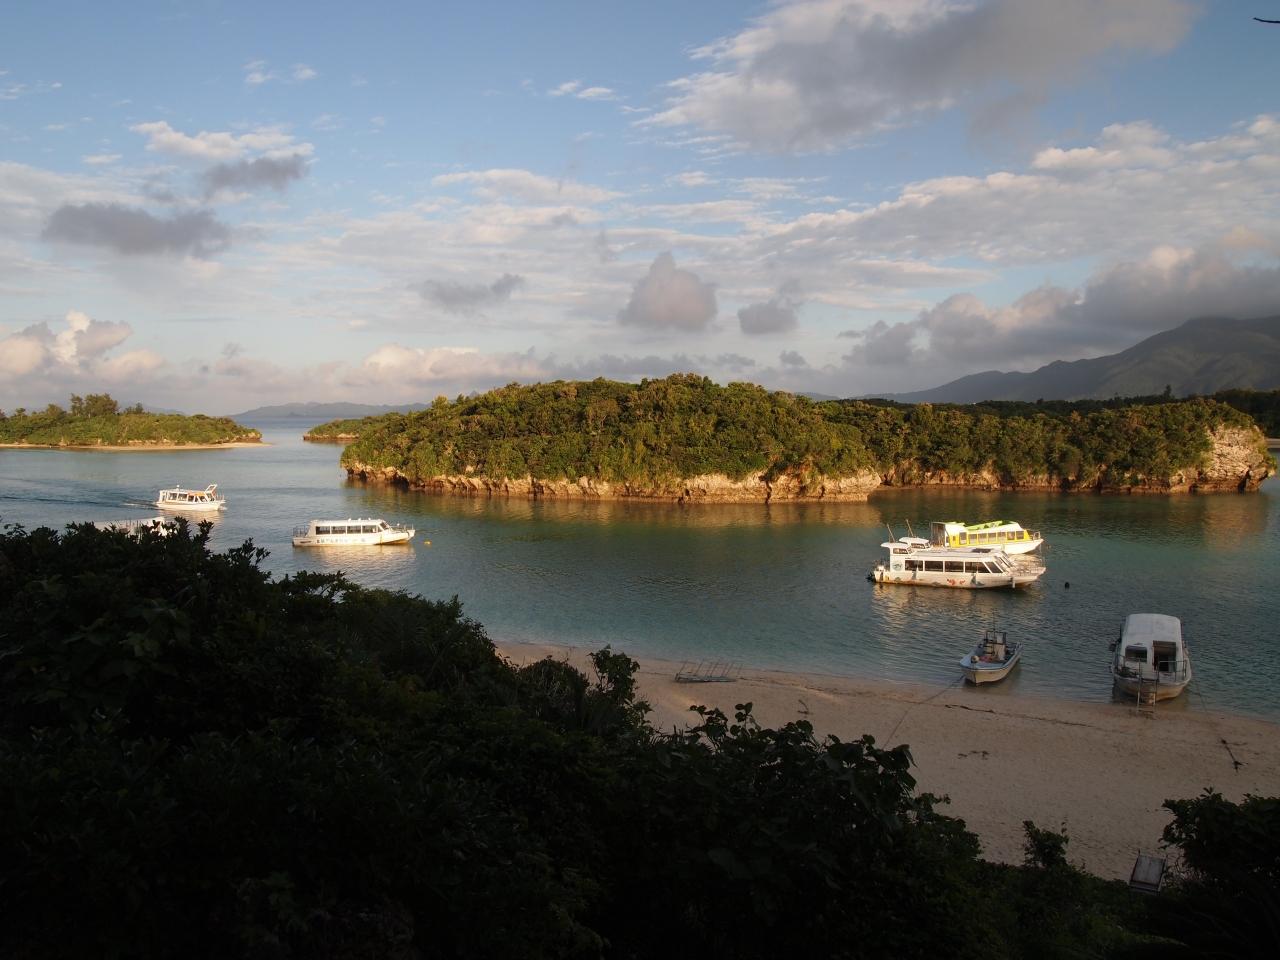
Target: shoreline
1101 770
134 447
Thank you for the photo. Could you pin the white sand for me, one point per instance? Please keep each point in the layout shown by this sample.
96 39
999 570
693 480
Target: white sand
1100 770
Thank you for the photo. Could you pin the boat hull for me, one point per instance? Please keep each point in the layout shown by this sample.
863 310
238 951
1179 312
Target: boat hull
986 674
384 538
1150 690
1016 547
956 581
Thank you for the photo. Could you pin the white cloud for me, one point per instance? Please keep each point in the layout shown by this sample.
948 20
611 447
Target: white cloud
1135 186
256 73
100 159
669 298
574 88
523 185
775 315
220 146
812 75
37 352
302 73
437 366
691 178
1118 306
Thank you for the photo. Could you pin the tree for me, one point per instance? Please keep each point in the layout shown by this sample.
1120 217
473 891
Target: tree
100 405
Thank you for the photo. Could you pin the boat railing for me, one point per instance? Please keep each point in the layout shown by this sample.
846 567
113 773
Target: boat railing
1134 669
301 531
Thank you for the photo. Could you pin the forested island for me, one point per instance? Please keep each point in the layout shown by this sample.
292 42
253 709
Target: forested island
201 761
97 420
686 438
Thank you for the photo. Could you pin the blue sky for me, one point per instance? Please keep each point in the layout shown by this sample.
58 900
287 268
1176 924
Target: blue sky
212 206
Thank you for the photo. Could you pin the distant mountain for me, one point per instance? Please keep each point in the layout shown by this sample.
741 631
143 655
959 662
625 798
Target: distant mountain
1200 357
327 411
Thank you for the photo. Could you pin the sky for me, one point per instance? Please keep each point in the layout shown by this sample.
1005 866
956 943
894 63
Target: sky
213 206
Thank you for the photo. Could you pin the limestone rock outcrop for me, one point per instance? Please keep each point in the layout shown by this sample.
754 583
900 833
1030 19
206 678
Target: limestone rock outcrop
1238 460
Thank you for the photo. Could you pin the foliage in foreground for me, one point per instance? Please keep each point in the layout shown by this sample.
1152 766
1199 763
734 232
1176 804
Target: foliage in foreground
97 420
199 760
659 431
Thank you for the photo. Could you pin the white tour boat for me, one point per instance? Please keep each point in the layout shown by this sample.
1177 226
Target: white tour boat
916 561
1150 659
178 498
349 532
994 533
992 658
163 526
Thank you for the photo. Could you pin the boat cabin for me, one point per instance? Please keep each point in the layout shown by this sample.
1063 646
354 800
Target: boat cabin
1151 647
331 528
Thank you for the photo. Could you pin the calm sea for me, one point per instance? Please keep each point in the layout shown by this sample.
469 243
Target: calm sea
773 587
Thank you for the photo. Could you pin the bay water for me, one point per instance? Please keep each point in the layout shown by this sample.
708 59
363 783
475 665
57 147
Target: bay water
780 586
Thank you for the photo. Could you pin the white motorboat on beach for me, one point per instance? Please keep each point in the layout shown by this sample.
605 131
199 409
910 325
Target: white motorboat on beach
201 501
161 526
993 533
914 560
350 533
1150 659
991 659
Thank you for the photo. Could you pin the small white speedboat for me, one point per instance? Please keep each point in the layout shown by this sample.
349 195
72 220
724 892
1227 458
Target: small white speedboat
200 501
1150 659
161 526
351 533
991 659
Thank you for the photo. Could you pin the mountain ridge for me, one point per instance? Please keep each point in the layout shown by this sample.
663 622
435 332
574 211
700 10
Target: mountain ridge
1201 356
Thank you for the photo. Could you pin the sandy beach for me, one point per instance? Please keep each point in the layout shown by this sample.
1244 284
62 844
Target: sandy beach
1101 771
134 448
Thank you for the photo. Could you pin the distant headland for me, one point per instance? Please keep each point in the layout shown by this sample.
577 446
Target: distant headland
96 422
687 439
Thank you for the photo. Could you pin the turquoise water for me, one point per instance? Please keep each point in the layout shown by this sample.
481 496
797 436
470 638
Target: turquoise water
779 586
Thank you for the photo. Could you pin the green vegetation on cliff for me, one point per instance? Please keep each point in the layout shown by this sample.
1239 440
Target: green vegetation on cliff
201 761
97 420
345 429
659 431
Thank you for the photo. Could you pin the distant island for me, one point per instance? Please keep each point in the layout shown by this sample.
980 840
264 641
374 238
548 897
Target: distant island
317 411
687 439
1200 357
96 421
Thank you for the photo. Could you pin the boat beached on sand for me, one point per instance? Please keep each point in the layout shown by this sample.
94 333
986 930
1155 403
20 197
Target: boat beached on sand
994 533
349 533
991 659
913 560
178 498
1150 659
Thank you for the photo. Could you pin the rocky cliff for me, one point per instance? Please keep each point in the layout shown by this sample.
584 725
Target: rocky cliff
709 488
1238 461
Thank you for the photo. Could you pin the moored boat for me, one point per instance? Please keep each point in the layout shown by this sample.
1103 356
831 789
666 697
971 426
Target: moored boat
161 526
993 533
351 532
1150 659
991 659
202 501
913 560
